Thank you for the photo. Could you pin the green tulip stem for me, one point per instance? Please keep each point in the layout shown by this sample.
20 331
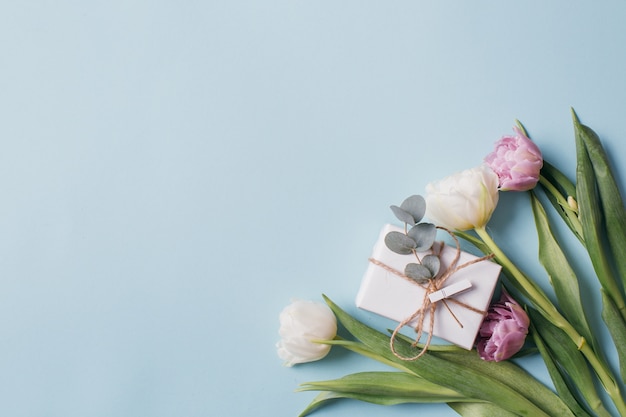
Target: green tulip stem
571 214
360 348
543 304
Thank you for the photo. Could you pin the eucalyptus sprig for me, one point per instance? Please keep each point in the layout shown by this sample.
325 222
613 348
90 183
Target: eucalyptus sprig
419 237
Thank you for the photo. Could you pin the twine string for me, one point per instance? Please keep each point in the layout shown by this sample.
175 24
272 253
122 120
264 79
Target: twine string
428 306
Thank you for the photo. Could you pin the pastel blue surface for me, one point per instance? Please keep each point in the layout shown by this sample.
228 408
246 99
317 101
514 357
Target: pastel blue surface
173 173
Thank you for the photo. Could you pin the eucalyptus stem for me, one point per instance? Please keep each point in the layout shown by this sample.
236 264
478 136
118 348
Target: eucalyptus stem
551 313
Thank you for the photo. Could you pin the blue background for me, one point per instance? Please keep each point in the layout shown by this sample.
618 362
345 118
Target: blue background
173 173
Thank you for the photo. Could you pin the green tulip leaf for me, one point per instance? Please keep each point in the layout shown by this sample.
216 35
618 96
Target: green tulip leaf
521 127
612 205
617 328
327 396
591 216
508 373
467 382
480 410
321 399
560 379
395 386
424 234
571 362
400 243
562 276
363 350
563 184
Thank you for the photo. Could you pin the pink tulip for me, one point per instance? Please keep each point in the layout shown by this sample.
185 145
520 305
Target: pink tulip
517 161
503 331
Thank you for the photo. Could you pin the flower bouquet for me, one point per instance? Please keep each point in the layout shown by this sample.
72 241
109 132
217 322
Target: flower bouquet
439 290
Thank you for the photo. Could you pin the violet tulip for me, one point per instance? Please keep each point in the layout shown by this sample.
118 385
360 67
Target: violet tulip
517 161
503 331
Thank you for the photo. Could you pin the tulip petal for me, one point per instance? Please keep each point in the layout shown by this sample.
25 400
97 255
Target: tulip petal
301 323
503 331
517 161
464 200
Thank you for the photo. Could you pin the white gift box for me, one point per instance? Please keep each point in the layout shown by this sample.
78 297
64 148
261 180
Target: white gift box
385 293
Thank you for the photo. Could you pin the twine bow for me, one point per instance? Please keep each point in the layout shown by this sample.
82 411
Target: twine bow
427 305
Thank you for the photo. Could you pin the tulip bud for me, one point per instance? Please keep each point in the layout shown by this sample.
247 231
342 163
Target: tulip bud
503 331
517 161
571 202
300 323
464 200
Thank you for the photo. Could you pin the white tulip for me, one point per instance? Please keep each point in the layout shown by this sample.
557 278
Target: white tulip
300 323
464 200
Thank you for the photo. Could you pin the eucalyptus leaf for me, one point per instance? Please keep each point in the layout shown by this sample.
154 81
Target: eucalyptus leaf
467 382
403 215
416 206
424 234
617 328
417 272
432 263
400 243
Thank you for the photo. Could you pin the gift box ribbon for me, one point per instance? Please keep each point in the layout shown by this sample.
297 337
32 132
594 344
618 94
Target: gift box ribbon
434 285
